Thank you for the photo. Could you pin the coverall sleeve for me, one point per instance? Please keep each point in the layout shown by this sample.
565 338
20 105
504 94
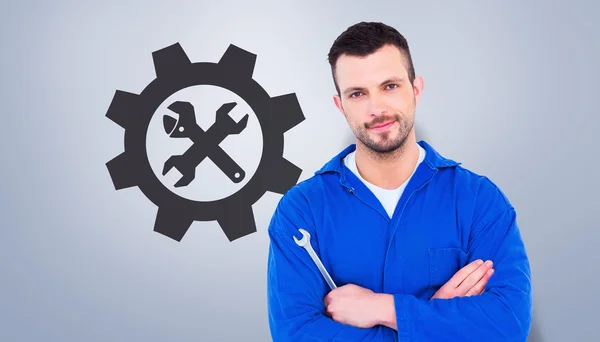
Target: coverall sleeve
296 289
501 313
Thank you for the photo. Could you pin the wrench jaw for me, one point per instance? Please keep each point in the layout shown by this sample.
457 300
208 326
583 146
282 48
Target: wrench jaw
300 242
175 128
169 123
227 123
240 125
223 111
182 127
182 165
304 241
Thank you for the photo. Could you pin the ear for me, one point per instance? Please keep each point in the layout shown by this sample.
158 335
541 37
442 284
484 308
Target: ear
418 88
338 103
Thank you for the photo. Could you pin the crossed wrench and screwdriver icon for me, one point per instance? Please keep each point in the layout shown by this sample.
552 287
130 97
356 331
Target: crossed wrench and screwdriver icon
205 143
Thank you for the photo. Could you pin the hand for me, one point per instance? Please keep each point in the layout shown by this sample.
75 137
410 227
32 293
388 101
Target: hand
353 305
468 281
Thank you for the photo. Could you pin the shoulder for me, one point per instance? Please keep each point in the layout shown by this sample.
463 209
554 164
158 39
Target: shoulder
310 192
481 186
481 196
296 206
320 184
466 184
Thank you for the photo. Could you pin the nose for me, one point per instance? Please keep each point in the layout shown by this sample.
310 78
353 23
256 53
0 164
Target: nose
377 105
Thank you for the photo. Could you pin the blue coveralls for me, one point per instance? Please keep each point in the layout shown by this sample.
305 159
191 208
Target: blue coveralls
447 217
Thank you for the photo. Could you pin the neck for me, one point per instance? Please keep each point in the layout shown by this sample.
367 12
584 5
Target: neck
389 170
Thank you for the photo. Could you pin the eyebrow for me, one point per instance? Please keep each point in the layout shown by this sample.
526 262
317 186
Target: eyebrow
389 80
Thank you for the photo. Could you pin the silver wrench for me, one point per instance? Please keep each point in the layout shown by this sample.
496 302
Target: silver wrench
305 243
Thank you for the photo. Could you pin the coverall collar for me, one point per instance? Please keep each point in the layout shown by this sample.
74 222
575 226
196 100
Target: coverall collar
433 159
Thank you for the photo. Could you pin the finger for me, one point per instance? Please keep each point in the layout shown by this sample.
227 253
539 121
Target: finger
326 301
480 286
474 277
463 273
491 272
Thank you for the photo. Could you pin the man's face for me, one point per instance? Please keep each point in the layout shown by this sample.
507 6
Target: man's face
377 98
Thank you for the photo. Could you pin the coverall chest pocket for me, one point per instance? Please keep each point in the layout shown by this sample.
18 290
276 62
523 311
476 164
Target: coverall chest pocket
444 263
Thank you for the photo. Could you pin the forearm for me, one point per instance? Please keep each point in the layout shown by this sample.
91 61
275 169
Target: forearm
491 316
316 327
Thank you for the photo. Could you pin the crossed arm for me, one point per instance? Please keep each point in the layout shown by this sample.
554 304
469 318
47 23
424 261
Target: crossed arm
302 308
360 307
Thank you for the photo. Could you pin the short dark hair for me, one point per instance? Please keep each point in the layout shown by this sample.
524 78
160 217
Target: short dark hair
363 39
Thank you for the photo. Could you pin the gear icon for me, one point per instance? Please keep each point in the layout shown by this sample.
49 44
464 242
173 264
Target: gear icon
174 72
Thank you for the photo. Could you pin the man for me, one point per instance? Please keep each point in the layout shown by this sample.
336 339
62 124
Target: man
420 248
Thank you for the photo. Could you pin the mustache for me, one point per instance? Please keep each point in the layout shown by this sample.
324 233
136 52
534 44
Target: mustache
381 119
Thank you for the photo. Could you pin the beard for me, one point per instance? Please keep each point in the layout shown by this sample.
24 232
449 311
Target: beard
384 143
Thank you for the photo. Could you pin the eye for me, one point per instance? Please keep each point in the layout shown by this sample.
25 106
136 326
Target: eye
392 86
356 94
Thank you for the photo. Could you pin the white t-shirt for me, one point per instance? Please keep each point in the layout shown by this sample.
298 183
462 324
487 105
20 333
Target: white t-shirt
388 198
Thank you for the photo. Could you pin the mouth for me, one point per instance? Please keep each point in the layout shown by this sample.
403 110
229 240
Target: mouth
383 125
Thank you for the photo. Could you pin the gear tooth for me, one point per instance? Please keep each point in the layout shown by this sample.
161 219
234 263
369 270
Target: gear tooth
172 223
123 105
285 112
122 171
285 177
238 225
170 61
238 61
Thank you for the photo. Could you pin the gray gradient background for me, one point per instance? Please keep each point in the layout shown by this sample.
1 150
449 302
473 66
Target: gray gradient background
511 90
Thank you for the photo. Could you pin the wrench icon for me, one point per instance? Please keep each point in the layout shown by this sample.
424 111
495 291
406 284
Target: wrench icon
305 242
206 144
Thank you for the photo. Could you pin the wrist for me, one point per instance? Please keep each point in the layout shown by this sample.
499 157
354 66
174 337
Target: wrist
385 310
